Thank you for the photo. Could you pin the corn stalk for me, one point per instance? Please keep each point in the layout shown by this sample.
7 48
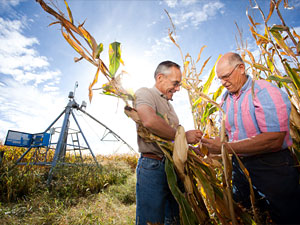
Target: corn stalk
207 196
203 110
91 52
279 47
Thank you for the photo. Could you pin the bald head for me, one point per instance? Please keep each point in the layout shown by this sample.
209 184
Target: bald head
230 70
229 59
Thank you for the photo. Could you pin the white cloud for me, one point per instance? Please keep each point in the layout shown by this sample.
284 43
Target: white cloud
188 2
196 15
26 108
151 24
8 3
158 46
171 3
18 57
294 3
29 93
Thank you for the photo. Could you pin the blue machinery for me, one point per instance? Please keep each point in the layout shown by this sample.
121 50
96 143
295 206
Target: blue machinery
41 142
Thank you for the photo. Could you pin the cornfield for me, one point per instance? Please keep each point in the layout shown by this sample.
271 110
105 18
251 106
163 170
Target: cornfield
207 198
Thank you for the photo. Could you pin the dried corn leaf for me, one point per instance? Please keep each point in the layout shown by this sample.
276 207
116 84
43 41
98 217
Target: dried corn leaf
272 6
69 12
199 55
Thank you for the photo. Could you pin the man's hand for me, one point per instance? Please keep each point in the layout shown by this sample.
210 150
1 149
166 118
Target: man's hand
261 143
213 145
193 136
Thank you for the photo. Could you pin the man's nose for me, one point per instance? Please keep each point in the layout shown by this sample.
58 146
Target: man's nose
223 82
177 88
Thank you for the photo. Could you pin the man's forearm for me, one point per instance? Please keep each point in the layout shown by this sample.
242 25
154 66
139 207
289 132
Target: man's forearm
262 143
159 127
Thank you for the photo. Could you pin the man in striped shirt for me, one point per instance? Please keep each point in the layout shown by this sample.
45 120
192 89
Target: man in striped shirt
257 126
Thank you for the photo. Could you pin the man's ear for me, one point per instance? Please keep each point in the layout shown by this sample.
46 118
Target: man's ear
159 77
243 68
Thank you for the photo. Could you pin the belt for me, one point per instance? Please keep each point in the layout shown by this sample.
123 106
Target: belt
152 156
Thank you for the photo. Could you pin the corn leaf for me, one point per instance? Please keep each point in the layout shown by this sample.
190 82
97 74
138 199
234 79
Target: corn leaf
255 35
260 67
272 6
114 58
212 74
93 83
294 32
279 79
89 39
204 64
250 19
250 55
199 55
280 41
206 185
293 74
69 12
278 28
77 59
99 49
186 213
270 64
218 92
298 47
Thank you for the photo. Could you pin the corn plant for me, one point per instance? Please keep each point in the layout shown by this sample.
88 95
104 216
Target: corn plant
91 52
278 59
207 197
216 194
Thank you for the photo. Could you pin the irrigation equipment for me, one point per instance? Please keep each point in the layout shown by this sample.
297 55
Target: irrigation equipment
71 142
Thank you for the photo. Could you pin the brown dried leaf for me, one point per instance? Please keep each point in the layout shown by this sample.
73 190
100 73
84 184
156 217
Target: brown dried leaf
69 12
272 5
204 64
199 55
93 83
77 59
89 39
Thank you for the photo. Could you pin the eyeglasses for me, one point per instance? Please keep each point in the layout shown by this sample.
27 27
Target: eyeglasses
227 76
175 83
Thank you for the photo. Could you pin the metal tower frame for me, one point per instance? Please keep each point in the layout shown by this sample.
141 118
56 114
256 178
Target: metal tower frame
61 145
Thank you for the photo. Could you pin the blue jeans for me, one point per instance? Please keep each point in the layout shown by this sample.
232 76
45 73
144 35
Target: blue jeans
275 181
154 200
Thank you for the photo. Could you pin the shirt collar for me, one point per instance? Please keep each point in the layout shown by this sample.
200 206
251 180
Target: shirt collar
245 87
159 93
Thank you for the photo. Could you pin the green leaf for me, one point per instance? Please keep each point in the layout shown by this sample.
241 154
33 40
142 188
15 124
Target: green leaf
188 216
210 79
218 92
270 64
209 109
260 67
280 41
114 58
278 28
99 49
206 184
293 74
275 78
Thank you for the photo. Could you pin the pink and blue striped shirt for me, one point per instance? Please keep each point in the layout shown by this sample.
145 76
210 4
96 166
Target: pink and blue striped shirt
267 111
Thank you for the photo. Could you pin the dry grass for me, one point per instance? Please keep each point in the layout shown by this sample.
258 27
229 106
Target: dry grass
100 209
78 195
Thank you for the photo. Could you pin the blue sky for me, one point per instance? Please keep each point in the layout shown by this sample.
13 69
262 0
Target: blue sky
37 69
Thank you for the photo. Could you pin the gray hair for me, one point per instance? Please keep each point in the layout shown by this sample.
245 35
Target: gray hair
235 59
164 67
